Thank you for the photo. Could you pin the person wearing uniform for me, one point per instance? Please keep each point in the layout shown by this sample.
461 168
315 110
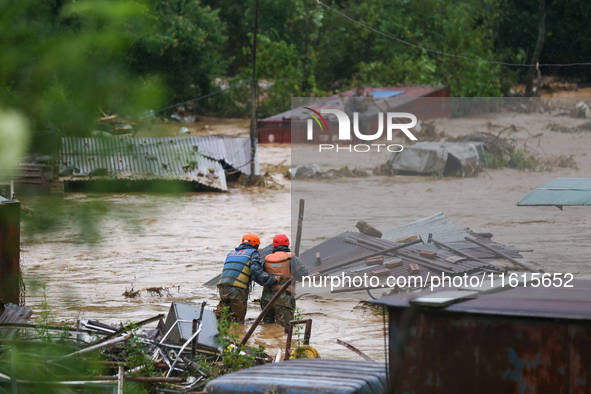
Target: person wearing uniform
283 264
242 266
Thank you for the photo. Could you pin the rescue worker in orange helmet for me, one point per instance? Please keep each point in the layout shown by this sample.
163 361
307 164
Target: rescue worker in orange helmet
242 266
283 264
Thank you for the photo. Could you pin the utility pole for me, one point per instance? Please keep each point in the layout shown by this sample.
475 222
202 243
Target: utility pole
535 58
253 115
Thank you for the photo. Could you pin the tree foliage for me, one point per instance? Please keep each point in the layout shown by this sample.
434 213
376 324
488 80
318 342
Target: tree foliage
61 62
184 47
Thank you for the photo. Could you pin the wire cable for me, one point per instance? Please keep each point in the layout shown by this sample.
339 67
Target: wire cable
202 97
445 53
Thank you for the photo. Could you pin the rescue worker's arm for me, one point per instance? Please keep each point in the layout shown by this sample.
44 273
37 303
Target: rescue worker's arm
297 269
258 272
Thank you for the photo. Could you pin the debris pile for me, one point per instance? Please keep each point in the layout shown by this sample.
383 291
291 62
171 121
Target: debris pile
425 248
181 354
113 125
444 158
468 155
312 171
426 131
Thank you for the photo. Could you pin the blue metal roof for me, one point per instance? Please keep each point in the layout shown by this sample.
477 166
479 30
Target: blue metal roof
305 376
386 93
560 192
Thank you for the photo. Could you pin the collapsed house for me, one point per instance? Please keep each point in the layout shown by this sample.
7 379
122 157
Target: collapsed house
422 250
202 162
425 248
120 164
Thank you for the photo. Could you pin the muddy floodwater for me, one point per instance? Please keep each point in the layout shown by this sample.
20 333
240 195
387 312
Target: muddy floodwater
178 242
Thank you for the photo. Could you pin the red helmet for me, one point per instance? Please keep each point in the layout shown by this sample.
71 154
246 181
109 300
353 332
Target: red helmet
252 239
280 239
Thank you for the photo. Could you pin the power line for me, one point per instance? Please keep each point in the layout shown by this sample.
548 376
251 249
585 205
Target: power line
202 97
445 53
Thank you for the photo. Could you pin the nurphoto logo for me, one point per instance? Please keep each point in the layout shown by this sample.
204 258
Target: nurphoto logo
392 123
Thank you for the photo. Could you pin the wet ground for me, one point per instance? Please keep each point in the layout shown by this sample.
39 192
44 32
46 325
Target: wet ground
179 242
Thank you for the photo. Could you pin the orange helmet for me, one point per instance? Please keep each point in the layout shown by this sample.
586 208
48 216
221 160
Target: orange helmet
252 239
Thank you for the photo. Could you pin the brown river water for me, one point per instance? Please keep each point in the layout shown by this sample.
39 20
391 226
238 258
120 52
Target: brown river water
180 241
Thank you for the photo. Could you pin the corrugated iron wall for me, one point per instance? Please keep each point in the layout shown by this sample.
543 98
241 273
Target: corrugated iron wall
471 353
141 158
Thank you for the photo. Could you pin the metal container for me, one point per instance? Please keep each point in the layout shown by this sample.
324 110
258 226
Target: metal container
518 340
179 322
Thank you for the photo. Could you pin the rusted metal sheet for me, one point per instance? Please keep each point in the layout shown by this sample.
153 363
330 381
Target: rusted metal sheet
520 340
304 376
10 211
546 302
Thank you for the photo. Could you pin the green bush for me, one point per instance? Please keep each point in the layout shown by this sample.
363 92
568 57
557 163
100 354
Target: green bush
523 160
496 161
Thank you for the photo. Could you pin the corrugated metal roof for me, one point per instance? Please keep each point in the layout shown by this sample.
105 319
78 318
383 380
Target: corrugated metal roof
544 302
233 151
348 246
186 159
560 192
336 101
437 224
305 376
449 233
